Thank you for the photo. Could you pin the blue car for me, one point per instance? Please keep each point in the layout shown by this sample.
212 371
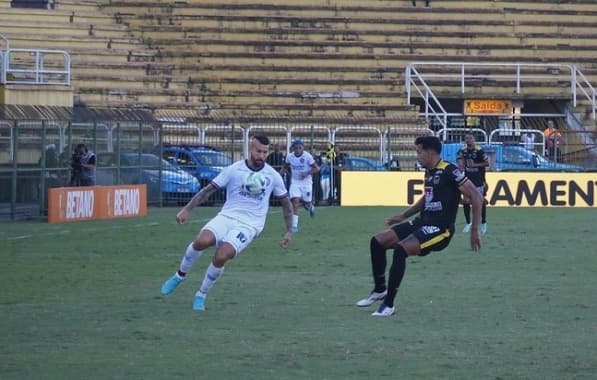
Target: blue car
202 162
354 163
504 157
174 185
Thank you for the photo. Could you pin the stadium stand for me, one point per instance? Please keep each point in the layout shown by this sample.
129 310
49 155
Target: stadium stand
305 61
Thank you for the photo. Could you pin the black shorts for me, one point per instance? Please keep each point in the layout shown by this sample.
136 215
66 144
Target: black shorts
431 237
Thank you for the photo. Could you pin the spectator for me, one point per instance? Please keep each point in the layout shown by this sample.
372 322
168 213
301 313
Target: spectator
276 158
552 141
324 180
82 165
528 141
427 3
52 161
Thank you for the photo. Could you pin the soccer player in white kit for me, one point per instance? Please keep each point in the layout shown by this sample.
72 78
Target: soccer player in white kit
302 165
249 184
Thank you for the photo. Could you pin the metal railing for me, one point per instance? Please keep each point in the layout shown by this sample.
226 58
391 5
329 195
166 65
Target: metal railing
422 77
35 66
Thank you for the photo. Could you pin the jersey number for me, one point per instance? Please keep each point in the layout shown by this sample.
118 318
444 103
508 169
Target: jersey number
241 237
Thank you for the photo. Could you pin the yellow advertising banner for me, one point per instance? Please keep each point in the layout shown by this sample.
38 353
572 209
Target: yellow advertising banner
487 106
504 189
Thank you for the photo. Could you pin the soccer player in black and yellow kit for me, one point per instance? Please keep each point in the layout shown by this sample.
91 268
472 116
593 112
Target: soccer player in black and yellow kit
473 161
431 231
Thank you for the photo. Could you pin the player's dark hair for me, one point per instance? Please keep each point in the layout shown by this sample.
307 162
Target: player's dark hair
262 139
429 143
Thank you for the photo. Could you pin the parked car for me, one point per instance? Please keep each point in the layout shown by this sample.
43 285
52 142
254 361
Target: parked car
505 157
355 163
135 168
204 163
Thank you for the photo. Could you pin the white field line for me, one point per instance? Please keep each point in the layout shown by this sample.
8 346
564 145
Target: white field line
108 228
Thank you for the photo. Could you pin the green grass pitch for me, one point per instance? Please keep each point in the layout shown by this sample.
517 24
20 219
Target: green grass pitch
82 301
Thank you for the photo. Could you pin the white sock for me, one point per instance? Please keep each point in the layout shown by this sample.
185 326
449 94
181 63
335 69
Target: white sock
211 276
190 256
295 221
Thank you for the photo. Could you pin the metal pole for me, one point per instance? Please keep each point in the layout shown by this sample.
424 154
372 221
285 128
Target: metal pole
13 198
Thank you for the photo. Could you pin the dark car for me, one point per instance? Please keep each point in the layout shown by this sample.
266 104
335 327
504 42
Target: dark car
174 185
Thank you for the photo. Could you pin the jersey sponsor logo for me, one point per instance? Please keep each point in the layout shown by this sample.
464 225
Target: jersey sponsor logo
428 194
429 230
458 174
433 206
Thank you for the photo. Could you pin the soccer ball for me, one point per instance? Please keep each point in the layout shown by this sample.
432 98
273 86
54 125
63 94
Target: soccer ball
255 183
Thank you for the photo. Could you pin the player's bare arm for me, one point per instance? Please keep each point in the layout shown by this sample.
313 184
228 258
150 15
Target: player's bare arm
412 210
197 199
476 200
287 213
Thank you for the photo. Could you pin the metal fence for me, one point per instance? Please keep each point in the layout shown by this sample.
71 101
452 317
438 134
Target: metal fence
35 155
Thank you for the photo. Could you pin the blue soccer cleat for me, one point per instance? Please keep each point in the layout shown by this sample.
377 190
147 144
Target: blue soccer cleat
199 302
171 284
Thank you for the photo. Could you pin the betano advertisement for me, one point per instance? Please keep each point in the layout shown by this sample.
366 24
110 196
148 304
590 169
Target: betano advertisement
71 204
505 189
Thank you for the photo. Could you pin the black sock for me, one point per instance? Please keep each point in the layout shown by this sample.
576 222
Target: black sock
181 274
378 265
396 273
483 213
467 212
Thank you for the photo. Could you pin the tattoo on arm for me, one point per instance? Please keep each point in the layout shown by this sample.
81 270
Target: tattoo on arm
287 212
201 196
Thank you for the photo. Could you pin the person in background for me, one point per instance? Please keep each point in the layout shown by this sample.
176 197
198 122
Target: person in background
528 141
324 179
473 160
431 231
276 158
249 184
302 165
51 164
552 141
82 165
427 3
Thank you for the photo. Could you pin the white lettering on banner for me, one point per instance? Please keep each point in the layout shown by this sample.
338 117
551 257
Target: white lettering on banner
79 204
126 202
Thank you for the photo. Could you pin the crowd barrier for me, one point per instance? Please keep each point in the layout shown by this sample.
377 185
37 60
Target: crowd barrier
71 204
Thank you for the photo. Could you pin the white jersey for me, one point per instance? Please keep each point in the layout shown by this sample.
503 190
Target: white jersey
248 192
300 164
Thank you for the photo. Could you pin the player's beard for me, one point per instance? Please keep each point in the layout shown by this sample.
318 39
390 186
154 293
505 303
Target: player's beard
257 163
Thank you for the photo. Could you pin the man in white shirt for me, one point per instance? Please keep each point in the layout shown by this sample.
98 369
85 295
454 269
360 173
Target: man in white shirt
528 141
302 166
249 184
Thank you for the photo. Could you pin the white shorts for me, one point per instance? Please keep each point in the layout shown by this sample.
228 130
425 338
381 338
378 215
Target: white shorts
304 192
231 231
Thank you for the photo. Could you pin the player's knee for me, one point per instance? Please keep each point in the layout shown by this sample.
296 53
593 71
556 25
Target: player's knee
400 253
376 246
